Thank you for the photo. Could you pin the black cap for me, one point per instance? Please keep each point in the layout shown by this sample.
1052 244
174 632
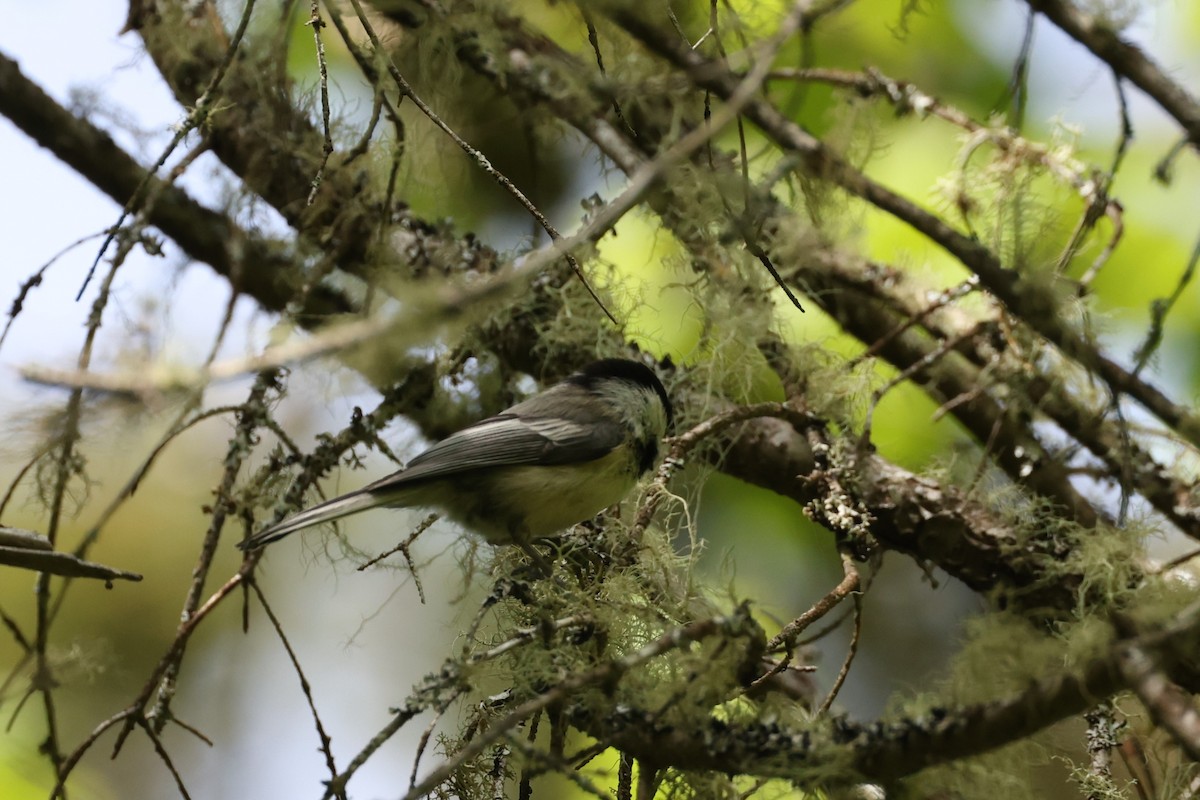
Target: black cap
623 369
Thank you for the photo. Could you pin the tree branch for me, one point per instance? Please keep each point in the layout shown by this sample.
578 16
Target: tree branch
1127 60
251 264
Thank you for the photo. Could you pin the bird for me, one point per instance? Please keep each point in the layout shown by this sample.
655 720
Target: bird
533 470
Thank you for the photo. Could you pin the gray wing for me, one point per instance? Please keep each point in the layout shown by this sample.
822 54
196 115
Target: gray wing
508 440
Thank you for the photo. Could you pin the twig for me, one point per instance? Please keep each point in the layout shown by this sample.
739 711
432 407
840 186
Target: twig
480 159
196 117
315 21
594 41
947 296
143 383
851 651
1126 59
1160 308
625 777
164 756
305 687
1169 706
679 446
604 674
1002 281
337 786
786 638
404 548
426 735
66 467
923 363
1101 741
35 280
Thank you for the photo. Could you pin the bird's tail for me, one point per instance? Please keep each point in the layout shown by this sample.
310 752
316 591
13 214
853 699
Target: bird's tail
324 512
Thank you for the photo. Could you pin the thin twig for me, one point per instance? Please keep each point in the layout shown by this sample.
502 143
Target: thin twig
476 155
316 23
604 674
786 638
678 448
405 549
1169 706
305 687
195 118
337 786
851 651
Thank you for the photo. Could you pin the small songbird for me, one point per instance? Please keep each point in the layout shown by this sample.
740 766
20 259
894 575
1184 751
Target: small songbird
548 462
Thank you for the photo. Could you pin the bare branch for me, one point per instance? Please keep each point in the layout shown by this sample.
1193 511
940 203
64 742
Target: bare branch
1128 60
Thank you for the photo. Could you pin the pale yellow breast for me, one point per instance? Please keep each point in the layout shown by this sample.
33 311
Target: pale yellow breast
567 494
